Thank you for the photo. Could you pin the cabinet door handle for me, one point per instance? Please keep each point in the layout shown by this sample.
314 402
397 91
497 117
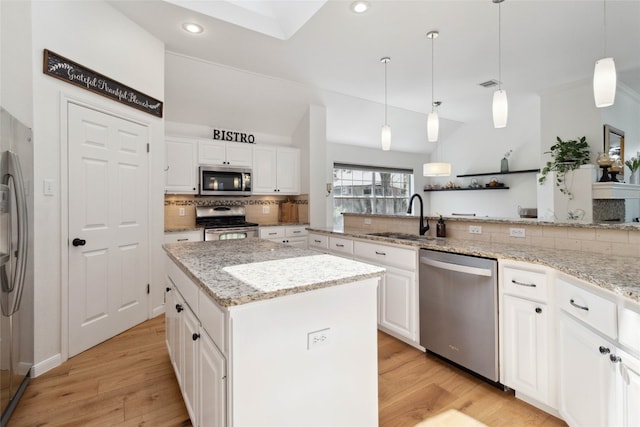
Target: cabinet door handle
529 285
538 310
168 289
183 240
195 336
380 253
614 358
297 232
339 245
272 234
317 241
581 307
179 308
604 350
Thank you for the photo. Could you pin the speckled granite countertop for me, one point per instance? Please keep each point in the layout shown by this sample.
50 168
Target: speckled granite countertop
620 275
235 272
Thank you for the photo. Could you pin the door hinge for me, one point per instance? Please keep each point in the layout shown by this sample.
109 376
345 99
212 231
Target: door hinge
147 147
148 289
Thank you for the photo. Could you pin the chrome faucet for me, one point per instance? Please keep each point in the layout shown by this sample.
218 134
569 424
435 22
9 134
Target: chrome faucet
423 228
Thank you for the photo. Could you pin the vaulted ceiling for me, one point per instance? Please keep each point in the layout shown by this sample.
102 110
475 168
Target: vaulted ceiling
258 64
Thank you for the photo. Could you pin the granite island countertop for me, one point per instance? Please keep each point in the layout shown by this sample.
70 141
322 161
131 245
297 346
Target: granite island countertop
235 272
618 274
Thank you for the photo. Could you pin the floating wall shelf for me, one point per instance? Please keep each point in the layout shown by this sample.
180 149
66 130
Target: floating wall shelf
498 173
468 189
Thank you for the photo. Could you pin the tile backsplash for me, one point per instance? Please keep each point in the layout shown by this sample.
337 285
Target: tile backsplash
180 210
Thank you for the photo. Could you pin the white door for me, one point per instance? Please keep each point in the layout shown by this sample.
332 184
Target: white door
108 263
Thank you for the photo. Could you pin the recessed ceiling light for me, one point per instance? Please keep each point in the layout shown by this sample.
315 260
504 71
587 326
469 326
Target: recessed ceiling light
192 28
359 6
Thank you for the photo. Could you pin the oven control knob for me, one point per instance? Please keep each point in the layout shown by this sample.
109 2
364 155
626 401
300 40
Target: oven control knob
78 242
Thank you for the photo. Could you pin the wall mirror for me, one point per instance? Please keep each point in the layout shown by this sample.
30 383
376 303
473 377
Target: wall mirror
614 143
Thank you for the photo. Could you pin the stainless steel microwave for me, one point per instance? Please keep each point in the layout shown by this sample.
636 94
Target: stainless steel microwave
224 181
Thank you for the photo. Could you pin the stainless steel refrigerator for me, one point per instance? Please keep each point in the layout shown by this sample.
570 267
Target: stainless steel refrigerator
16 261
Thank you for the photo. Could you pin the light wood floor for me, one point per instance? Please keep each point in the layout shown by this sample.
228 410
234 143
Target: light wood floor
129 381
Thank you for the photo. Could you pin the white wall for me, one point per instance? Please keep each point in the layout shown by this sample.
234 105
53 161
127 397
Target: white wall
98 37
477 147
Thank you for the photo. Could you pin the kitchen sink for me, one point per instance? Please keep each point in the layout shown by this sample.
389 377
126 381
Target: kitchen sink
402 236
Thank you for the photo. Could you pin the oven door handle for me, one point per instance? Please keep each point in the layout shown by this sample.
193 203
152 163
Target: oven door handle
456 267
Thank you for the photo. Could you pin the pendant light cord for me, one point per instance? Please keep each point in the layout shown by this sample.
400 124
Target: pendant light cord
499 46
385 91
604 26
432 71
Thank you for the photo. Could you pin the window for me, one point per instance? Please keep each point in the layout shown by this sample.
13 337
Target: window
369 189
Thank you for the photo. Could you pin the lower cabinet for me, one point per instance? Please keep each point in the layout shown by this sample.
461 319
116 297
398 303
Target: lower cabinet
199 366
587 376
526 337
293 235
398 290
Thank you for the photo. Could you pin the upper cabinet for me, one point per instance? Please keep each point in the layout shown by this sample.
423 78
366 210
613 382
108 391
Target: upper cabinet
225 153
181 165
276 170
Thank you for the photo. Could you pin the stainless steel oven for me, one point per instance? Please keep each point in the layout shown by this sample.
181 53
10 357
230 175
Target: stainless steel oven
225 223
224 181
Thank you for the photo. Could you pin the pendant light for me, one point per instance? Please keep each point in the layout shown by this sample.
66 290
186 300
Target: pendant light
604 74
500 104
433 122
386 129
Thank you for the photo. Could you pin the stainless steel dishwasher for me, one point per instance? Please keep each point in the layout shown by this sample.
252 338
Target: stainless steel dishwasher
459 310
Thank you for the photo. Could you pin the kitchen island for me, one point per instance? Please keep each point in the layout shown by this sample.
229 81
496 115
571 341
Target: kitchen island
262 333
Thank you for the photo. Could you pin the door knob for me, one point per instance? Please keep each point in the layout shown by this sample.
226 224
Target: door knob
78 242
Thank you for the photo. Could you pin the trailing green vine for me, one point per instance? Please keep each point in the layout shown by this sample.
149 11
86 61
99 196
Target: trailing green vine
565 156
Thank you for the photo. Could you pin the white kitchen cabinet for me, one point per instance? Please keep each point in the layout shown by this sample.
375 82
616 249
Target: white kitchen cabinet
181 170
318 242
526 353
294 235
527 359
276 170
212 395
199 366
398 291
225 153
587 386
183 236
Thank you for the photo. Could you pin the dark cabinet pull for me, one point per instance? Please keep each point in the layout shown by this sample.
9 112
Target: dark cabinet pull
179 308
581 307
529 285
604 350
168 289
195 336
380 253
78 242
538 310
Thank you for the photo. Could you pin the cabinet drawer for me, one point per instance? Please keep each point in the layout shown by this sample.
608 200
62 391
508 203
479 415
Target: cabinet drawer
271 232
592 309
187 288
300 231
340 245
318 241
212 319
183 236
525 283
386 255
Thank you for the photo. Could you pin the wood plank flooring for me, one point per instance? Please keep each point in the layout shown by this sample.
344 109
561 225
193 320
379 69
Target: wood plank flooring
128 381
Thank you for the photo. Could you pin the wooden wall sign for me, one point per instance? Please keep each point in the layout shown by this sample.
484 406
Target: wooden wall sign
64 69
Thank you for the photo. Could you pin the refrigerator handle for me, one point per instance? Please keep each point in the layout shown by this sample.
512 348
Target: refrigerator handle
13 173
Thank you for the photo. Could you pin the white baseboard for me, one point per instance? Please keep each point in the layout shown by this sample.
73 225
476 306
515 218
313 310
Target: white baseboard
46 365
157 311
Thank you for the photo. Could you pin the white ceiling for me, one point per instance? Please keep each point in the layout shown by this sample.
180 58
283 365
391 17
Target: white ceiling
262 81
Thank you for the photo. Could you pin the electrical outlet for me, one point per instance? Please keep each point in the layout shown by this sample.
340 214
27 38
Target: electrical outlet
475 229
265 209
367 221
181 212
318 338
517 232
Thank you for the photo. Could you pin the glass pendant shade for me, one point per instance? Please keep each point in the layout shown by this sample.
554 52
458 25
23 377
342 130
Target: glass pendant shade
436 169
500 109
604 82
433 126
386 138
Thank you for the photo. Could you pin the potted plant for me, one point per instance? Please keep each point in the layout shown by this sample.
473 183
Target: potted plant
565 156
633 164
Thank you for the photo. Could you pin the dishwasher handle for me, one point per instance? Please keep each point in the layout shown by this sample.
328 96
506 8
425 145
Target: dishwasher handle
456 267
